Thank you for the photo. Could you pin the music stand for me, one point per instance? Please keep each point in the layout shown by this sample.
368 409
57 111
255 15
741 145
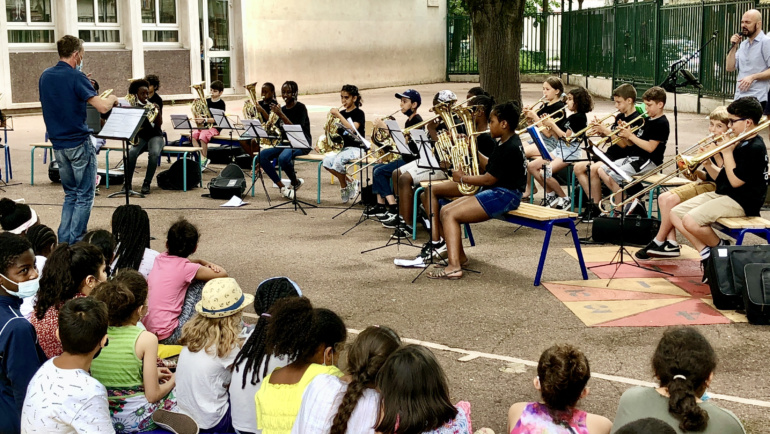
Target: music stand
255 130
622 251
537 139
123 124
297 140
222 121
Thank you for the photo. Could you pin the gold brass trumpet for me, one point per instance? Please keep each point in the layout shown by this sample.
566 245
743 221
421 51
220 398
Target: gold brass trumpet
614 137
536 106
579 135
556 116
104 94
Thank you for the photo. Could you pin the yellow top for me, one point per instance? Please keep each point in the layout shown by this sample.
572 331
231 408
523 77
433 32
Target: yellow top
278 404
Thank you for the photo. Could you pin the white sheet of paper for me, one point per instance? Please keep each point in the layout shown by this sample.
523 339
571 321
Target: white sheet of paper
366 143
410 263
602 156
122 123
398 137
427 160
296 136
235 202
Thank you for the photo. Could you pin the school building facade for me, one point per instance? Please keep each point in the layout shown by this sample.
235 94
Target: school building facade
320 44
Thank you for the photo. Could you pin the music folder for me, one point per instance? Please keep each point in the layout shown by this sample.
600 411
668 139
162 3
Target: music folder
534 132
123 123
606 160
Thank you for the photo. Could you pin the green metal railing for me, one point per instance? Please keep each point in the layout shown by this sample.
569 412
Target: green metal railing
540 50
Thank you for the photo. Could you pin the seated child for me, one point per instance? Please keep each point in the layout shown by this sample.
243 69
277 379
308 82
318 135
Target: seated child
131 229
562 375
648 425
82 406
43 241
16 218
173 295
105 242
211 341
203 137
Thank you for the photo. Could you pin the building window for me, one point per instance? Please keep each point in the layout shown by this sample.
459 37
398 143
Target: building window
98 21
29 21
159 21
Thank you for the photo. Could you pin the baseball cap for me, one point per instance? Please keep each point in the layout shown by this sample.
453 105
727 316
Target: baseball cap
412 94
446 96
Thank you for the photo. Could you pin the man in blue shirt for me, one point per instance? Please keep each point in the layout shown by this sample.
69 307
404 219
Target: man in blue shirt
64 91
751 59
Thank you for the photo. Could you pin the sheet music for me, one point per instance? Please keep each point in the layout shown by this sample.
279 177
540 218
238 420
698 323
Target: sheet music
366 143
603 157
398 137
537 138
254 129
220 119
427 159
296 136
181 122
122 102
122 123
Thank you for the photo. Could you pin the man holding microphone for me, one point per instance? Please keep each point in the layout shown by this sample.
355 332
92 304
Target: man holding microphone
64 91
751 59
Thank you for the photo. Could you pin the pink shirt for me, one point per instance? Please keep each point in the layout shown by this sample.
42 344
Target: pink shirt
168 282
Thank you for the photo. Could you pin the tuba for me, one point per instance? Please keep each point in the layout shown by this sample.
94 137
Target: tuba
199 107
330 140
458 150
250 105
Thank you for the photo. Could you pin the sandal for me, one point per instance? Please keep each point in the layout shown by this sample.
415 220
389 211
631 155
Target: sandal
443 275
463 265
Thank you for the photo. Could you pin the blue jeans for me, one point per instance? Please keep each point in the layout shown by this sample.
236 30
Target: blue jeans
285 160
154 146
77 168
383 173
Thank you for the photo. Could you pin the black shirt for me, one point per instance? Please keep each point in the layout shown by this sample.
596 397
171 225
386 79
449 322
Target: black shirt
653 129
485 144
509 165
149 130
576 122
357 115
298 116
156 99
616 152
751 168
553 108
219 105
412 146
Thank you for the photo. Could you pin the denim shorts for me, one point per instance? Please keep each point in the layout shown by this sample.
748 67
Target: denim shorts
497 201
337 162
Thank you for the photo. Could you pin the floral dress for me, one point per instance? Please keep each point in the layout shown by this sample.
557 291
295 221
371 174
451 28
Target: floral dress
536 418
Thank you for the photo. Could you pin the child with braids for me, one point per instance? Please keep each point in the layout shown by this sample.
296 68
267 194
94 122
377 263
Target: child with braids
684 364
310 338
43 241
136 387
349 404
72 271
176 283
131 229
20 354
562 375
253 362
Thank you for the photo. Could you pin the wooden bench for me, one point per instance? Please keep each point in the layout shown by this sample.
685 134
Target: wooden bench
670 183
738 227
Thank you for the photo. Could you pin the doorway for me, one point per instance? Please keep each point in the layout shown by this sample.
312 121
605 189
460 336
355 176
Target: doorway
216 41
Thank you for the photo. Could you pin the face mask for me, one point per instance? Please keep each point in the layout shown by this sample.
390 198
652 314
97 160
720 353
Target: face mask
79 66
409 112
26 289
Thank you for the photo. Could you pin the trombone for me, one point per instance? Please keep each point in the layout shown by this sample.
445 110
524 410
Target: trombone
556 116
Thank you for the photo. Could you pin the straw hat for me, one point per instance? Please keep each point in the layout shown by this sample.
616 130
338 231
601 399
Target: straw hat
221 298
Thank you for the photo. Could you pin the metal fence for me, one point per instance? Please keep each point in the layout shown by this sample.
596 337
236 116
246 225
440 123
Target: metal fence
540 50
636 42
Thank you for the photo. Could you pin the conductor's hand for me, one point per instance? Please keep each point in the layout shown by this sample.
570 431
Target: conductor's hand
735 39
113 100
746 82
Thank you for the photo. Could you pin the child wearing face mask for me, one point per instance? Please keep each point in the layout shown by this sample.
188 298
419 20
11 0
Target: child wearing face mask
72 271
21 354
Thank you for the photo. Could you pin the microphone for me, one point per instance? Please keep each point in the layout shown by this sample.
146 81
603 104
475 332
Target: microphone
691 80
740 32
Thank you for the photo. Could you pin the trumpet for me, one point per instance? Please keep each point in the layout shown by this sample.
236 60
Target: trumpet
686 163
614 137
556 116
103 95
578 135
536 106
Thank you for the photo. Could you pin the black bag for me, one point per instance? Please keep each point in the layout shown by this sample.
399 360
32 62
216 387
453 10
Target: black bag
636 230
756 298
173 178
368 198
230 182
244 161
726 268
224 154
53 171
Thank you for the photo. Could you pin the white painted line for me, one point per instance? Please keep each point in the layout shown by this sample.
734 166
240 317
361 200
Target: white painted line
470 355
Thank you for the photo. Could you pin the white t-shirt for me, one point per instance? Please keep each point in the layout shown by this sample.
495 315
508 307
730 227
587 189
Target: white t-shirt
202 380
65 401
242 399
28 304
321 401
148 260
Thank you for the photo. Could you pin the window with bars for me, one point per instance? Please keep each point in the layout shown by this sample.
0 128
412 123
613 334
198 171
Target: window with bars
159 21
98 21
30 22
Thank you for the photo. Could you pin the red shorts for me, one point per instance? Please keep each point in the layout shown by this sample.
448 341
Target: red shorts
205 135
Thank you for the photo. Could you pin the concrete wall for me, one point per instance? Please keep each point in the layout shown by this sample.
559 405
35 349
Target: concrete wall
323 44
172 67
25 73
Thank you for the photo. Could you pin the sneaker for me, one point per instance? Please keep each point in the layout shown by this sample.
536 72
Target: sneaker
375 211
642 253
591 212
704 265
204 162
562 203
298 185
439 250
402 231
345 194
356 188
98 180
175 422
391 221
665 250
146 187
287 192
550 201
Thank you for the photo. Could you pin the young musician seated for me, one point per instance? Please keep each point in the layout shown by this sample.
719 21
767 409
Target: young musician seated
646 146
383 173
353 147
149 138
268 99
203 137
624 97
502 186
579 102
664 245
154 98
741 183
292 113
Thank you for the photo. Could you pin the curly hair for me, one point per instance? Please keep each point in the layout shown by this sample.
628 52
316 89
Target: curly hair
365 359
153 80
253 351
131 229
120 300
42 237
296 329
64 273
509 112
12 214
214 335
583 101
563 372
478 91
182 239
135 85
104 241
684 353
11 247
352 90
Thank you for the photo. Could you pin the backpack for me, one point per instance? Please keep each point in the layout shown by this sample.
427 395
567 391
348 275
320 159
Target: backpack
230 182
173 178
756 298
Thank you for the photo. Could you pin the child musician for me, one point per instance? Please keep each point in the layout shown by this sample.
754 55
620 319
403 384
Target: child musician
204 136
149 138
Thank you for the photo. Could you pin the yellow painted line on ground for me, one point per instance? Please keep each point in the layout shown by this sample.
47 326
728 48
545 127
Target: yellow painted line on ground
470 355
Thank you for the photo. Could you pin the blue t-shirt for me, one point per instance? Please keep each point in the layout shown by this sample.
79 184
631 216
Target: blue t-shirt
63 95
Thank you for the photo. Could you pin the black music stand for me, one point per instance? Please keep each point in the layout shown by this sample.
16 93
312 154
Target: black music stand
123 124
297 140
182 122
255 130
356 201
222 121
619 259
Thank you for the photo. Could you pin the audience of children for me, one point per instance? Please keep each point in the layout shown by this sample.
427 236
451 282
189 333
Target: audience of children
311 339
105 242
15 217
253 362
20 354
211 339
72 271
173 294
131 229
349 404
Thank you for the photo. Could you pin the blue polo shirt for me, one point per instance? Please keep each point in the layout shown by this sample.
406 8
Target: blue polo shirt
63 94
752 58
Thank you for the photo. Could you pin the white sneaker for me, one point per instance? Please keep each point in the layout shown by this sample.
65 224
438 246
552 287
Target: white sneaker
287 192
345 194
355 187
204 162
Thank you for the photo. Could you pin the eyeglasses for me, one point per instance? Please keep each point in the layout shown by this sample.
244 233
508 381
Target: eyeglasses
732 121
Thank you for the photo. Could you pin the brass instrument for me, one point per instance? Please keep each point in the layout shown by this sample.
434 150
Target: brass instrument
578 135
686 165
271 128
330 140
458 150
104 94
556 116
614 137
199 107
536 106
250 105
